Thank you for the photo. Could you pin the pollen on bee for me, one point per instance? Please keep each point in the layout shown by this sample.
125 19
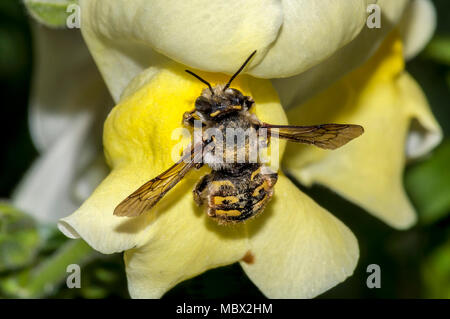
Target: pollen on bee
249 258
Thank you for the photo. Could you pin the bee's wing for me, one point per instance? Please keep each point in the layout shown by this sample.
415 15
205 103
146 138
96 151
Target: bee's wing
146 196
327 136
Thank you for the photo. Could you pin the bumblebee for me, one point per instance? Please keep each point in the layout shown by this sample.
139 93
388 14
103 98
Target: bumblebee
234 191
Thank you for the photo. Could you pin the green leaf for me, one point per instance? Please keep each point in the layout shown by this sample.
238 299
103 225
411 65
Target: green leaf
52 13
439 50
428 183
19 238
436 273
42 280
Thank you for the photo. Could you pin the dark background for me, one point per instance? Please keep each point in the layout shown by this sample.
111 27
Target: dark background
414 263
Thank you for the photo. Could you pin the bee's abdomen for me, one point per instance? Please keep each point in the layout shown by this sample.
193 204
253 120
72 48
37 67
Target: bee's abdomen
235 198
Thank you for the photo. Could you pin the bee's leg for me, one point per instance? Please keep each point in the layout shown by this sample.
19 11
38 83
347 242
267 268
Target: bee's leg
201 188
269 175
189 118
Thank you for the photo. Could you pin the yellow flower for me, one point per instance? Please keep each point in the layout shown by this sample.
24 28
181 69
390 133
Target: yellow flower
383 98
295 249
177 240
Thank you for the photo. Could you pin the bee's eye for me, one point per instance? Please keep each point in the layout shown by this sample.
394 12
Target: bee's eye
237 93
237 96
202 104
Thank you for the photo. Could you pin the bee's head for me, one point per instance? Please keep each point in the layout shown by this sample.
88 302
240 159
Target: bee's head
221 99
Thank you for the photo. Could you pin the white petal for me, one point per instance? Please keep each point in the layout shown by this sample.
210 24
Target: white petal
418 26
291 36
68 105
45 191
212 35
65 81
297 89
311 32
392 11
425 133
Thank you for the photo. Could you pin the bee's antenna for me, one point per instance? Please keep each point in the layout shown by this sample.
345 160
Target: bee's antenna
204 81
239 71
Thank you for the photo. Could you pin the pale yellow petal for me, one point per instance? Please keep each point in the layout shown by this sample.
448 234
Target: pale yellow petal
46 190
418 26
311 32
128 36
182 243
297 89
299 249
424 133
64 122
392 11
368 170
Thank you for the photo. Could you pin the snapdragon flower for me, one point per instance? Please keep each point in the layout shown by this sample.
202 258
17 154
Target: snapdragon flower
317 60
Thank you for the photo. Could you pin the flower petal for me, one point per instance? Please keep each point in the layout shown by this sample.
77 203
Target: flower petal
295 90
182 243
65 123
60 53
418 26
369 170
311 32
299 250
392 11
45 191
138 145
425 133
124 36
291 36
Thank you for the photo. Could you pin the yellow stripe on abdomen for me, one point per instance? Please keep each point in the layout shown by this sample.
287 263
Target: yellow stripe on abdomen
218 200
264 185
233 212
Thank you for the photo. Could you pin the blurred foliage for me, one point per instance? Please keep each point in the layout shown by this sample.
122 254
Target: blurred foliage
50 12
17 151
37 266
414 263
439 50
19 238
436 272
429 185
